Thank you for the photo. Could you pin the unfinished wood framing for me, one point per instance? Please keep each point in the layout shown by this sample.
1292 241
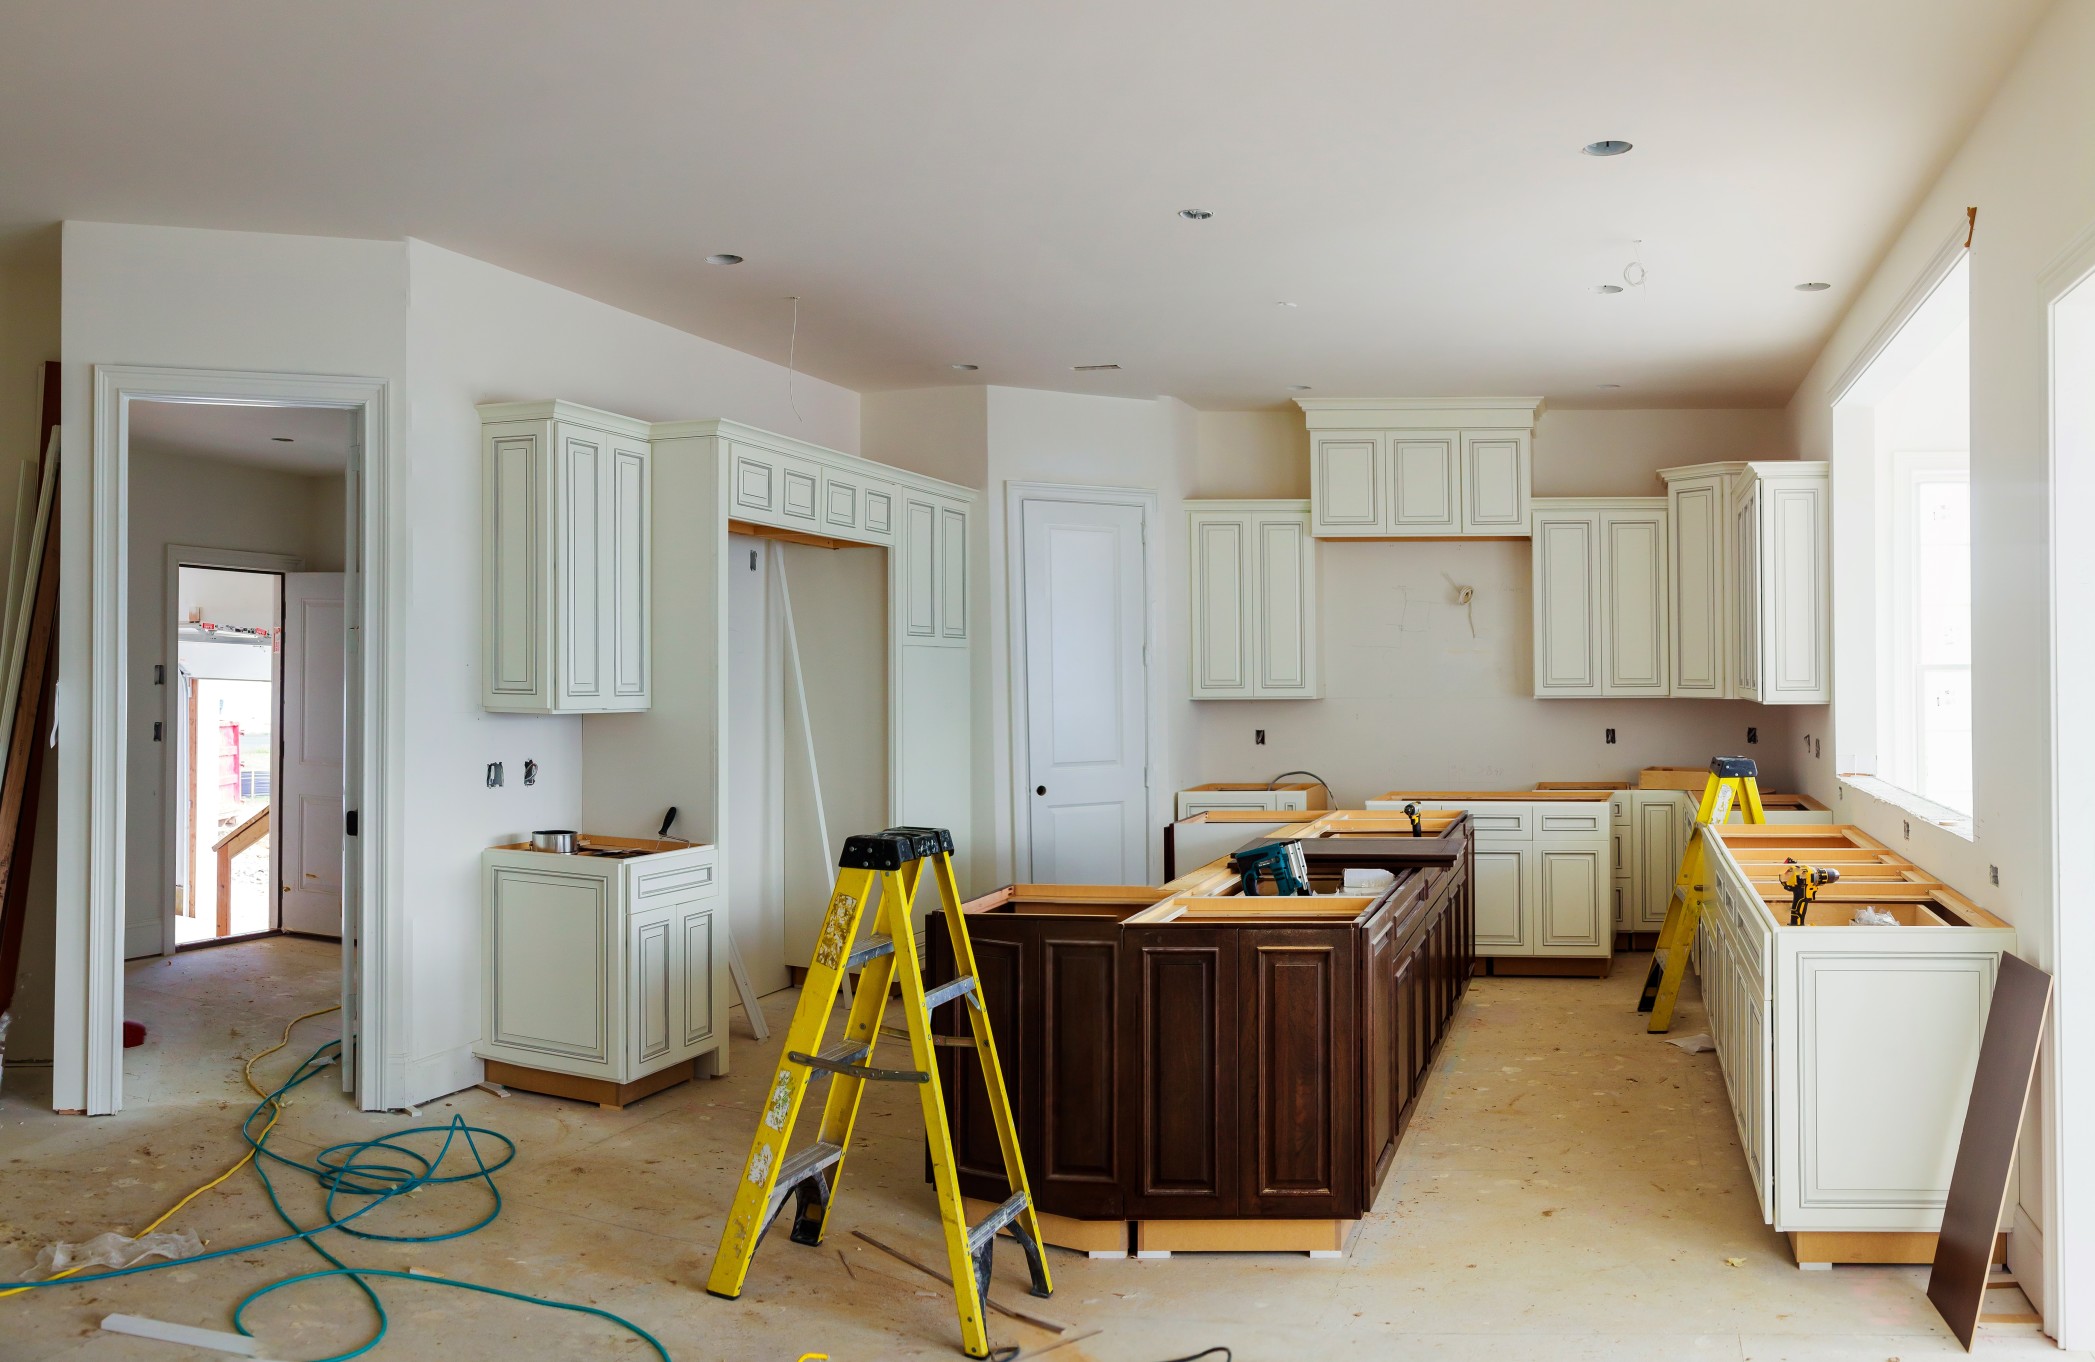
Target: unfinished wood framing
602 1091
1318 1238
1814 1247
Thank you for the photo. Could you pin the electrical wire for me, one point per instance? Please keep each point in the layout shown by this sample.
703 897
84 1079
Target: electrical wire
376 1171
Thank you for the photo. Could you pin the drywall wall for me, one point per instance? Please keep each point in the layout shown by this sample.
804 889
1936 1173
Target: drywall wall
477 333
212 504
1412 698
2028 165
193 299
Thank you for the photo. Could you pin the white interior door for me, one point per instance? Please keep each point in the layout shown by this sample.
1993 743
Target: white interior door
1086 604
307 820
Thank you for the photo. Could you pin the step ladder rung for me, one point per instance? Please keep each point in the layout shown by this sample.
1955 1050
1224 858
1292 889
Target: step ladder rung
871 949
948 991
840 1059
978 1235
798 1168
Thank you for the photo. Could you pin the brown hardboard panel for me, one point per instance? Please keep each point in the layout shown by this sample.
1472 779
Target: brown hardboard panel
2000 1092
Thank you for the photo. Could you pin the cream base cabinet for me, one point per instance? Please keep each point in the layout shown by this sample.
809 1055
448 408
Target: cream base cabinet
602 968
1750 597
1600 597
1385 468
1254 601
1544 874
566 553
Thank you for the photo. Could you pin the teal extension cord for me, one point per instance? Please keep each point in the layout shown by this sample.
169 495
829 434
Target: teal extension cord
376 1171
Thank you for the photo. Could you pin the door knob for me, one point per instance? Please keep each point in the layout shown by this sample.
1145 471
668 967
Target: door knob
1040 789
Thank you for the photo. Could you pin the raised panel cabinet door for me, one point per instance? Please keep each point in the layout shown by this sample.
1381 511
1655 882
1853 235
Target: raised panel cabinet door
1625 895
1425 482
879 517
580 593
1570 903
651 1020
1494 482
1179 1067
1222 628
1285 565
799 493
1661 839
1384 1090
919 569
952 574
1298 1090
1007 963
1346 485
1077 1168
1567 604
516 658
753 484
552 967
1696 509
1501 887
699 967
627 583
1633 603
1745 595
1796 628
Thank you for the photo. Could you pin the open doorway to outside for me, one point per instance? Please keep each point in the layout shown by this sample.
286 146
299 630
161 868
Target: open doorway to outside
240 528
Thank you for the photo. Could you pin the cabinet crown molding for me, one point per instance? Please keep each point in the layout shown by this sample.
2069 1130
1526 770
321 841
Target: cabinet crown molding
1758 467
1420 413
720 428
1286 505
1542 504
574 413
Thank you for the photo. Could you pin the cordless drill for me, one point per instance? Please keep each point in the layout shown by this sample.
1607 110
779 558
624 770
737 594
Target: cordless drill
1804 883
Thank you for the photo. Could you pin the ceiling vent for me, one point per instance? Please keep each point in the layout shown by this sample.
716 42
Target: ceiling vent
1093 368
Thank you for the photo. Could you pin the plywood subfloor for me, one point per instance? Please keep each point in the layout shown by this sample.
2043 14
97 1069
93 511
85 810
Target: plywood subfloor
1572 1189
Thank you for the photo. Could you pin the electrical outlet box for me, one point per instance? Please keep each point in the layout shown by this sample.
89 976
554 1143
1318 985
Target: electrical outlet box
1611 735
1258 737
1752 735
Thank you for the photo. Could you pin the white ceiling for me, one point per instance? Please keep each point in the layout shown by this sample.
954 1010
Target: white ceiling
948 181
320 437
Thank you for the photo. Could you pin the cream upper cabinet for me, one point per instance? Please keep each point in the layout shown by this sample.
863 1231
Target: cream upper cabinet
1254 601
933 571
1600 597
1751 607
1384 468
565 559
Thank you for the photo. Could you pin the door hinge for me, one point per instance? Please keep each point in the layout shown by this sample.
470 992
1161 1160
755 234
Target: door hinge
349 823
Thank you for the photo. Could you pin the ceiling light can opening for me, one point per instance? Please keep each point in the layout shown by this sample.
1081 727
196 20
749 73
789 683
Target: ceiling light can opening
1195 214
282 439
1093 368
724 258
1607 288
1607 146
1298 387
1813 286
967 368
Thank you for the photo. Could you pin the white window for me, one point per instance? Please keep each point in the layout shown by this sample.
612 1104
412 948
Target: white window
1902 494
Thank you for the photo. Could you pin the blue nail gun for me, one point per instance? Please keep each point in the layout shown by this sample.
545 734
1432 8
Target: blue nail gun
1283 862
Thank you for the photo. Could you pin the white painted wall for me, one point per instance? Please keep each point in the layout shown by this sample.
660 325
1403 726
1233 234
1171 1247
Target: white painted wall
214 504
197 299
477 333
2029 165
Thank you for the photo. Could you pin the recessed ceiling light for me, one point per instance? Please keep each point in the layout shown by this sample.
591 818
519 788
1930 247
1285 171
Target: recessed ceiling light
281 439
1607 385
967 368
1195 214
1093 368
1607 288
1815 286
1609 146
723 259
1284 303
1298 387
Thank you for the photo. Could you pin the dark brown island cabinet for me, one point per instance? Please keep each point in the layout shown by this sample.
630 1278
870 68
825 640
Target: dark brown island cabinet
1206 1070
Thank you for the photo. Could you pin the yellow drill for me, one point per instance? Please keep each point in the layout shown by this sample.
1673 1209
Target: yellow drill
1411 812
1804 883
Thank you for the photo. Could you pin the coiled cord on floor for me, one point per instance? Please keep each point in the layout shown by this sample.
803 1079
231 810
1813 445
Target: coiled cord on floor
375 1171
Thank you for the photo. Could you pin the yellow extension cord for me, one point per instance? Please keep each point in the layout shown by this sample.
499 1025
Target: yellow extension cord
276 1110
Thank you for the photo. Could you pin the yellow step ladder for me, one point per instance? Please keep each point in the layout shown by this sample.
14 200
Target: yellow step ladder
1733 781
892 862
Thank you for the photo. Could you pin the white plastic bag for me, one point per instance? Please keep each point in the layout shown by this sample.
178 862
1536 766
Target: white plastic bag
1866 916
1360 881
116 1250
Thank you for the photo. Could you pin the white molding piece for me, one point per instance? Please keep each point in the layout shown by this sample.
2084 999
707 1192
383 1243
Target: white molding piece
378 572
1939 264
720 428
572 413
1144 499
177 557
1413 413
